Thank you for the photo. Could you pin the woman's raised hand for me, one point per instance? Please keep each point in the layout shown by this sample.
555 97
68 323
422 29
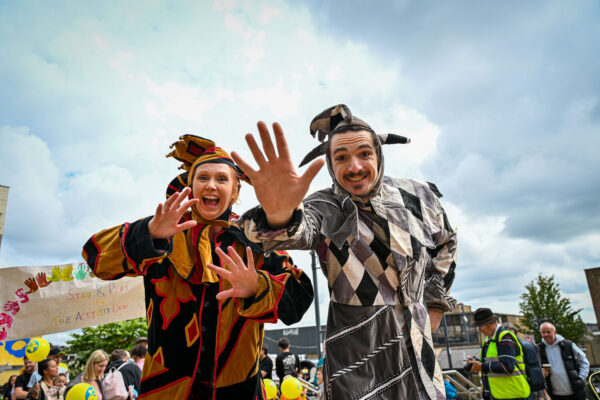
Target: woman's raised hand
165 222
278 187
244 280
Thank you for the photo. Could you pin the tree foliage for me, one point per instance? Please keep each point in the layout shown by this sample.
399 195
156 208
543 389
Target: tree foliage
543 301
108 337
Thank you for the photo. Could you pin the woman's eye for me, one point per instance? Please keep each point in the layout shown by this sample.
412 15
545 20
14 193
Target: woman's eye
202 178
222 179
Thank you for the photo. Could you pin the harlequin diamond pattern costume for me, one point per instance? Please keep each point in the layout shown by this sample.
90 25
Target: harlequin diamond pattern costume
200 347
386 261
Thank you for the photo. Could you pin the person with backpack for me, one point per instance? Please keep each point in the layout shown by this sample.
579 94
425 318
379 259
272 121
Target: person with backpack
533 367
566 366
502 366
130 375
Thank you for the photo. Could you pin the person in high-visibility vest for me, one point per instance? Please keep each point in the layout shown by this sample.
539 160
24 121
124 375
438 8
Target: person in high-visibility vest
502 367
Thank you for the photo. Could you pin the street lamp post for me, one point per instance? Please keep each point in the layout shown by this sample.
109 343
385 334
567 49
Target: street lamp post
313 256
447 344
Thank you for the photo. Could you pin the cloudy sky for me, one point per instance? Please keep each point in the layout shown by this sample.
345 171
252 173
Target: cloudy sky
500 99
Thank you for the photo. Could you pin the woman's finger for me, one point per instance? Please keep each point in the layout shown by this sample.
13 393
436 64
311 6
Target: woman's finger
236 257
225 294
267 143
226 260
250 259
221 271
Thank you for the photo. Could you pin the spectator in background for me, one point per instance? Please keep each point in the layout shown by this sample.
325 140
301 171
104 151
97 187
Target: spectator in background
61 380
131 373
265 364
138 353
319 377
531 357
9 387
451 393
569 367
286 363
93 373
46 389
142 340
22 382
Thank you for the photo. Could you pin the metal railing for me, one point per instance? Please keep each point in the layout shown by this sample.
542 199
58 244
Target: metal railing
465 388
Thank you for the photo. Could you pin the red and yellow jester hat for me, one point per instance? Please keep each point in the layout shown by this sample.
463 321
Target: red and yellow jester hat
192 151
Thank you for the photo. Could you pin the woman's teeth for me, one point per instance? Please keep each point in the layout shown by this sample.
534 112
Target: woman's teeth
210 200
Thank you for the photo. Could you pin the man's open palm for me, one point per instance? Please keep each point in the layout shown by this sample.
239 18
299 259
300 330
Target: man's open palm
278 187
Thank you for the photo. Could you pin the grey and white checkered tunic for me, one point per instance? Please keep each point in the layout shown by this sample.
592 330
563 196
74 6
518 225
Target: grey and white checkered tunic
386 263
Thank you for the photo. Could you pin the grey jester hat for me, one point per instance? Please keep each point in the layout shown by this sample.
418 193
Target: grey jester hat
339 119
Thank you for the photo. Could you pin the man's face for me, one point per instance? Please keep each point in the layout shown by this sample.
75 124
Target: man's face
488 329
354 161
548 333
29 366
262 354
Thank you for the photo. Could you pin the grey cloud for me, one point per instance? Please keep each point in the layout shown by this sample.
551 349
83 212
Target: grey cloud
514 84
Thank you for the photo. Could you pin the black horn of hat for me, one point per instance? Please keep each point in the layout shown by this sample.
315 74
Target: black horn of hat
483 316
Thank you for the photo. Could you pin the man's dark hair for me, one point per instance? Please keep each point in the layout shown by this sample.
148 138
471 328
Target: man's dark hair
139 350
266 350
118 355
284 343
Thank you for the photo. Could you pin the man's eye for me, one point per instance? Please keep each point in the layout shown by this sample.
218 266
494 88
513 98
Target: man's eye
339 158
366 154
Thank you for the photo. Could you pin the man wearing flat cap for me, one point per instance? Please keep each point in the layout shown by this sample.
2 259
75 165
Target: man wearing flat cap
502 366
384 244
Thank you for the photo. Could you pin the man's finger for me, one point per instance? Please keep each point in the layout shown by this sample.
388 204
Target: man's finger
282 147
267 143
312 171
248 170
258 155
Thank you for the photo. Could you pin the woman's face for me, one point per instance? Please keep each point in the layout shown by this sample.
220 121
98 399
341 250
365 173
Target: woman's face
99 368
13 380
216 187
51 370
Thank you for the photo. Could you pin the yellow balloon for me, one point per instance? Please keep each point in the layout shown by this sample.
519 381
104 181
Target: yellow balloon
82 391
63 365
37 349
270 389
291 388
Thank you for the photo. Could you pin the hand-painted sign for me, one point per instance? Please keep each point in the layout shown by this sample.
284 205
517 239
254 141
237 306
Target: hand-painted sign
36 301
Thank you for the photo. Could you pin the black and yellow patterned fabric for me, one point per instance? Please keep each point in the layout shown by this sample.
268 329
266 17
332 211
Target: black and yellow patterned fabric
191 335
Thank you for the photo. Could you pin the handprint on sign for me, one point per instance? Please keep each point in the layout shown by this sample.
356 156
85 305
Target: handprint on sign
22 295
6 319
11 307
81 272
55 277
41 280
3 334
33 287
66 273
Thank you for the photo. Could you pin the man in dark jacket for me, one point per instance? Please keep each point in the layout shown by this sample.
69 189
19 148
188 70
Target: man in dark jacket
565 366
131 372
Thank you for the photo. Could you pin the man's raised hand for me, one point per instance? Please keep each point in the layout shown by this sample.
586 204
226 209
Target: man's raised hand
278 187
165 222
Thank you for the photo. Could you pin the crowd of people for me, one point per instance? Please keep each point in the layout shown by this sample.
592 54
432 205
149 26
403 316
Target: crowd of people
512 368
45 380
